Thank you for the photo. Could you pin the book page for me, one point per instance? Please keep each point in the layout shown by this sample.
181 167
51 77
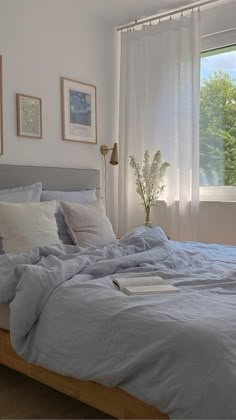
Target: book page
138 281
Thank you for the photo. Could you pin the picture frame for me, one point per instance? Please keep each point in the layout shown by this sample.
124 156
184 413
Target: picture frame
29 116
1 109
78 111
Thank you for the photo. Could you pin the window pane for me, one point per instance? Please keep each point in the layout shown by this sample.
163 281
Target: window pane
218 117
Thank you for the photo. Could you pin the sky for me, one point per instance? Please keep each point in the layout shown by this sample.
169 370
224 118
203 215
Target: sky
224 61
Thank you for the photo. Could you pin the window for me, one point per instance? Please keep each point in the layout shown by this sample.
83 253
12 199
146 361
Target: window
218 124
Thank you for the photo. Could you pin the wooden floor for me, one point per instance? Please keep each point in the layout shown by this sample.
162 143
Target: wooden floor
24 398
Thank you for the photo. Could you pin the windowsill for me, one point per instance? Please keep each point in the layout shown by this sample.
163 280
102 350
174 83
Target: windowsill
217 202
220 194
207 201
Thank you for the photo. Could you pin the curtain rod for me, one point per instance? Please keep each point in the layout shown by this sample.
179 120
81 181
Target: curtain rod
163 15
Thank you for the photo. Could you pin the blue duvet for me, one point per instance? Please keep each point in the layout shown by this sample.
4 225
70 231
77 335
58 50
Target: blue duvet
176 352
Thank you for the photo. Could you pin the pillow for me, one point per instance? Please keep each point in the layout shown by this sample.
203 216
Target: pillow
85 196
88 224
26 225
20 195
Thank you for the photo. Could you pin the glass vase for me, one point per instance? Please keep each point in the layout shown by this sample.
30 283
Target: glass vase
147 222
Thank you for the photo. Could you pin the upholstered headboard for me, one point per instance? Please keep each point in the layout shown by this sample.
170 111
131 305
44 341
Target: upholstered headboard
60 179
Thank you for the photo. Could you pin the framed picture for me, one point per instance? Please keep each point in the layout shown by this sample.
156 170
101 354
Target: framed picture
1 112
78 102
29 116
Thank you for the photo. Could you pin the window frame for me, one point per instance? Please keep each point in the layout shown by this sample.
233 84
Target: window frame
213 42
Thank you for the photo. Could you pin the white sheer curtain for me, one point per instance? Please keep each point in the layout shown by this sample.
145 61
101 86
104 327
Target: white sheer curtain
159 109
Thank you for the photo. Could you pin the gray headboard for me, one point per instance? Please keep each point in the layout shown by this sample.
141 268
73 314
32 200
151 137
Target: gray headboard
61 179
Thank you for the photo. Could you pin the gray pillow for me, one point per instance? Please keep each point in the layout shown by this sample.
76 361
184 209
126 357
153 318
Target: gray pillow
22 194
88 224
29 193
83 196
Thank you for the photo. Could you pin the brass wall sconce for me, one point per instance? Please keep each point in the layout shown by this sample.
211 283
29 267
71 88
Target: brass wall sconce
114 156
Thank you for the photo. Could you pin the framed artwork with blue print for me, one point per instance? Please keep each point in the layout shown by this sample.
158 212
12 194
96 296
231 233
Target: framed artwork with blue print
79 120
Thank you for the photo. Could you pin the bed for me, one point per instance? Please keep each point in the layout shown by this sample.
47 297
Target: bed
129 356
111 400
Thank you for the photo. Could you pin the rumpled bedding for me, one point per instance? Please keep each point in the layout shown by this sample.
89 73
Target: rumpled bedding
176 352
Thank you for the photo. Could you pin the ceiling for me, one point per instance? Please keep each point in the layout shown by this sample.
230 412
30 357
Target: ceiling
120 12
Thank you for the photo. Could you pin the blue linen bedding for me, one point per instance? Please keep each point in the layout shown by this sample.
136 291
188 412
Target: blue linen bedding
176 352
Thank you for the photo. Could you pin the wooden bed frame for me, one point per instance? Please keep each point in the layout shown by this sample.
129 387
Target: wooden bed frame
113 401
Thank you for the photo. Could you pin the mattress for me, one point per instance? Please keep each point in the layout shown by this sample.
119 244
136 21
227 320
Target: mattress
4 316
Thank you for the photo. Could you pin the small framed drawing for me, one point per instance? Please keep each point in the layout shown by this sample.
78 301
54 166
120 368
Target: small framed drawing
78 104
29 116
1 112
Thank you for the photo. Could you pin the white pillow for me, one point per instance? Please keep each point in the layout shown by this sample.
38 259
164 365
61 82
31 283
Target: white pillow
20 195
88 224
26 225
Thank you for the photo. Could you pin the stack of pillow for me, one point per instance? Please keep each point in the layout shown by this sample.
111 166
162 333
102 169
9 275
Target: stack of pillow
31 217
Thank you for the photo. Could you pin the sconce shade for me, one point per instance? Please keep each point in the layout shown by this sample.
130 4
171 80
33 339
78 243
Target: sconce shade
114 156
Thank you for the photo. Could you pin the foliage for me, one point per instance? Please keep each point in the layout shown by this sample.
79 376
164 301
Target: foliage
149 178
218 130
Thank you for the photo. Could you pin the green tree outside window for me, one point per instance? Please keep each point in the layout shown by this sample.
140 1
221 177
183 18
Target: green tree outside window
218 130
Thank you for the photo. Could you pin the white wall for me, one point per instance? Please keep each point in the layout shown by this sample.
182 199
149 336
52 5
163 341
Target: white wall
40 41
218 17
216 222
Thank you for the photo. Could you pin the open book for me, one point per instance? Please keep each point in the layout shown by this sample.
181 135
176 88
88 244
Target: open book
144 285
